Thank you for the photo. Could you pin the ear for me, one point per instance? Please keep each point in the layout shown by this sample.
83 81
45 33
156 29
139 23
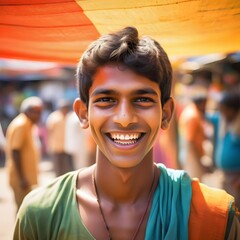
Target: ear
80 109
168 109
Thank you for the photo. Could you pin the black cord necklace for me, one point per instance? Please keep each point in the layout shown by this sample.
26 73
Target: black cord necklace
142 217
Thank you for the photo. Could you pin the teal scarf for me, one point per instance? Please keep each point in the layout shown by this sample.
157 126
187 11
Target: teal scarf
170 210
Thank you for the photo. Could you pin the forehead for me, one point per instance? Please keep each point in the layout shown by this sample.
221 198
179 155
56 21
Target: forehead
121 79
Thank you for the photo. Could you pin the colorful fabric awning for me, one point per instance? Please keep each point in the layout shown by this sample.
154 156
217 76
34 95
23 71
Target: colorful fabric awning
60 30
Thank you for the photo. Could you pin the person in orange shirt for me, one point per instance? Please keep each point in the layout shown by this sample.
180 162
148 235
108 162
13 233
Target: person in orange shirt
192 136
22 148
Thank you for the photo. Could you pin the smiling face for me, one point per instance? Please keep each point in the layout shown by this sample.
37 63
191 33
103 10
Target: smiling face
124 114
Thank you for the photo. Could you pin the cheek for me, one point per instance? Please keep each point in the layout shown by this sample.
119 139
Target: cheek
95 116
96 121
153 118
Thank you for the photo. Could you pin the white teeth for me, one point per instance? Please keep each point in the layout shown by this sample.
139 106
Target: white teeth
125 143
125 139
121 136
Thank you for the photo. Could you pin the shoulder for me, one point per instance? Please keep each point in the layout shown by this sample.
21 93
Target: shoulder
18 121
18 126
44 210
211 209
49 196
172 174
209 213
176 182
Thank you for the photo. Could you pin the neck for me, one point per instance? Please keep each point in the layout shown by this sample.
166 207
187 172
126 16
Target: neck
124 185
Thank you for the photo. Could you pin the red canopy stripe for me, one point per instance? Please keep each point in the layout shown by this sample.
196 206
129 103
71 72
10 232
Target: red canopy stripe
44 30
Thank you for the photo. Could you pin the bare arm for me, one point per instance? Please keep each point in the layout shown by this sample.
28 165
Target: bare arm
17 161
199 155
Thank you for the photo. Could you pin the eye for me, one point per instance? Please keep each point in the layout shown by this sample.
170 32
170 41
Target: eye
104 102
104 99
144 101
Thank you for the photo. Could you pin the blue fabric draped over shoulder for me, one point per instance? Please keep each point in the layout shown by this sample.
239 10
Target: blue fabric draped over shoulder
170 210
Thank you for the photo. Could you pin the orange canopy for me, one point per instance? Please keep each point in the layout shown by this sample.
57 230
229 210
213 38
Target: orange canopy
60 30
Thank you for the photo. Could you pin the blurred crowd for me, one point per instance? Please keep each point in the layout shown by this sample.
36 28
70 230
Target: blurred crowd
208 123
204 135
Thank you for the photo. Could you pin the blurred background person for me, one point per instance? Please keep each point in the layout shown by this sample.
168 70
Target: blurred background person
226 122
56 124
43 134
192 134
23 148
79 142
2 146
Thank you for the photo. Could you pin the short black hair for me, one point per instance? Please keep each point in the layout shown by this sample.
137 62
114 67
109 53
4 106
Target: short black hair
143 55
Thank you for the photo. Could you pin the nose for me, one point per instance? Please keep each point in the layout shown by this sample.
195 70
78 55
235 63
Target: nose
125 114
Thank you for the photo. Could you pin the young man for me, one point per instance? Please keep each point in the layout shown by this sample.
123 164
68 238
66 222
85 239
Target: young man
124 85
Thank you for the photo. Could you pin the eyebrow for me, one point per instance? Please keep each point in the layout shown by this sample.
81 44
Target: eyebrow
103 91
145 91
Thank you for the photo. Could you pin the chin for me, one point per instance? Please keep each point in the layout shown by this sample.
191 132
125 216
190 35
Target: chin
125 163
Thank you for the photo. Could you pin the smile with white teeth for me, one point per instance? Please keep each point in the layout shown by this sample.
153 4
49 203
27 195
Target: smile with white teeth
125 139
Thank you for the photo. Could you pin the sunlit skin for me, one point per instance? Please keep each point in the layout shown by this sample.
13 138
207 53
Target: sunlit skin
34 113
125 115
